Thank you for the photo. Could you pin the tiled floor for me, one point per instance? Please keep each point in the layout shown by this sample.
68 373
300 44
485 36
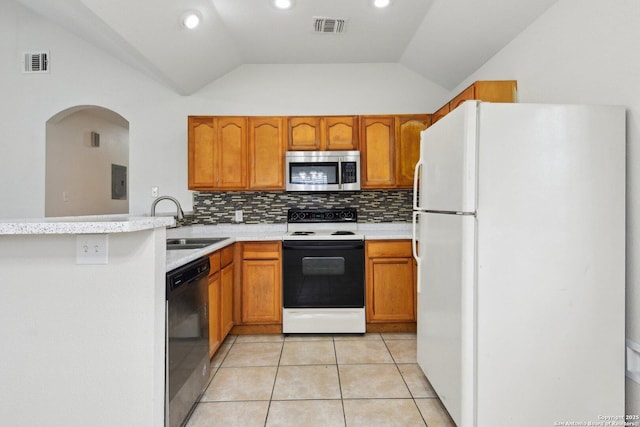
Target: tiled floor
319 380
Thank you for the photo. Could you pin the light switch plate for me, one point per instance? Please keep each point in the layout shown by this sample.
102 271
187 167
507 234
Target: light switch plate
92 249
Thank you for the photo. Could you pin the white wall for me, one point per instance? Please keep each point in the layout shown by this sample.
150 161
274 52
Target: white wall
78 175
80 75
586 51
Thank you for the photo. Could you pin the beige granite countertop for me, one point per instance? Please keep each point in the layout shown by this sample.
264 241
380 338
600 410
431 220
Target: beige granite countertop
93 224
262 232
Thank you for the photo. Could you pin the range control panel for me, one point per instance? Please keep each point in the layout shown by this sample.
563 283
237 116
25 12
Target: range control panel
322 215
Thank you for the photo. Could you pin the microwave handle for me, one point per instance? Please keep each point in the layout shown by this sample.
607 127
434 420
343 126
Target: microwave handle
340 173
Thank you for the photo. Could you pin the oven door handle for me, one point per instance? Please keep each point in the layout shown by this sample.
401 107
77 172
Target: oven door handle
351 245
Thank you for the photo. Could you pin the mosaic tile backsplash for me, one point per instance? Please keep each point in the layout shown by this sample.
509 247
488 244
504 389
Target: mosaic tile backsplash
270 207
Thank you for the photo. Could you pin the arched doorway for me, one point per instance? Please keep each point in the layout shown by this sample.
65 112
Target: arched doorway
87 162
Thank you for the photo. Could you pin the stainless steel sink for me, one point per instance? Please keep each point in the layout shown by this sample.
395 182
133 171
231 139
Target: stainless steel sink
193 242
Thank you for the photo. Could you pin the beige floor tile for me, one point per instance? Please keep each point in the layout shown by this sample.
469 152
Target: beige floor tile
308 337
260 338
382 413
402 351
253 354
387 336
229 414
309 413
372 381
371 336
434 413
416 381
252 383
308 353
307 382
221 353
364 351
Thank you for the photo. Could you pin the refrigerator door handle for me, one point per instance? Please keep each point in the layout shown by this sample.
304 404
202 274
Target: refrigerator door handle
414 247
416 178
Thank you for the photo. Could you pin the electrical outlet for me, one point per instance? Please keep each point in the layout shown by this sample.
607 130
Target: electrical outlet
92 249
154 191
239 215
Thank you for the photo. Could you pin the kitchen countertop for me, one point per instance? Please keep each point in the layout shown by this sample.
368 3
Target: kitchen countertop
94 224
263 232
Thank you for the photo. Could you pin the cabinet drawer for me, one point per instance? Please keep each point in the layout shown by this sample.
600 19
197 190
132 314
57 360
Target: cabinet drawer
389 249
214 262
226 256
261 250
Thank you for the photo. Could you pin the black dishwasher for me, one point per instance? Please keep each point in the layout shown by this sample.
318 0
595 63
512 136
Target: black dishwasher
187 355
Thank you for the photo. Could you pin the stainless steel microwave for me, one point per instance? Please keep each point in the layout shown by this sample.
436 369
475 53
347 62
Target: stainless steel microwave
322 170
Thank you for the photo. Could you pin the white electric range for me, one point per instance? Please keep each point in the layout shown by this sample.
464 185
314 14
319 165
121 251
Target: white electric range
323 272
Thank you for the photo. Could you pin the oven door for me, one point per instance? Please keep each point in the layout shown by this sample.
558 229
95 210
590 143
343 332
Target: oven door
323 274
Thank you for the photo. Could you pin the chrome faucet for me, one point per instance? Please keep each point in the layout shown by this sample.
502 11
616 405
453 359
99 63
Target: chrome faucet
180 213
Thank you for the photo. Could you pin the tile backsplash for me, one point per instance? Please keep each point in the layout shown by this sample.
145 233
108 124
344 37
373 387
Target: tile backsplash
270 207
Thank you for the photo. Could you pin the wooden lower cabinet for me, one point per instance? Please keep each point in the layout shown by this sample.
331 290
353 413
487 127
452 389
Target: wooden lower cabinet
213 309
220 308
261 283
390 282
226 290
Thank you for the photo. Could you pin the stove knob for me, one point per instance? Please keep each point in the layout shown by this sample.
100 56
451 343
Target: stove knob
328 215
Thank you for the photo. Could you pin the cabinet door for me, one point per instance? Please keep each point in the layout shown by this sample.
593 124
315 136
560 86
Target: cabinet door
226 300
304 133
215 332
390 281
266 153
408 130
201 143
377 151
231 152
390 294
261 291
341 133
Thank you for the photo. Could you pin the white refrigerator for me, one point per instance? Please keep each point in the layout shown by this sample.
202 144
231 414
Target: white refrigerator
519 236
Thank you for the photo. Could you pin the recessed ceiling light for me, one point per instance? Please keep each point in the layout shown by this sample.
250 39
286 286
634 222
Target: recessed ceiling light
191 20
283 4
381 3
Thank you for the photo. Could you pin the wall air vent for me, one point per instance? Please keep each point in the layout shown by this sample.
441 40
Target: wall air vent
328 25
36 62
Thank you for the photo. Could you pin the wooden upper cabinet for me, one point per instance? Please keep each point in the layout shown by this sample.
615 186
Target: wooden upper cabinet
217 153
465 95
231 152
488 91
201 145
304 133
323 133
377 153
267 138
340 133
407 146
442 111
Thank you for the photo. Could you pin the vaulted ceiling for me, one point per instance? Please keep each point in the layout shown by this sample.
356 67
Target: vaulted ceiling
442 40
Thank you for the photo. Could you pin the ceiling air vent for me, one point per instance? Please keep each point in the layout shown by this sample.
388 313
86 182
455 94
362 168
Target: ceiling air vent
329 25
36 62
